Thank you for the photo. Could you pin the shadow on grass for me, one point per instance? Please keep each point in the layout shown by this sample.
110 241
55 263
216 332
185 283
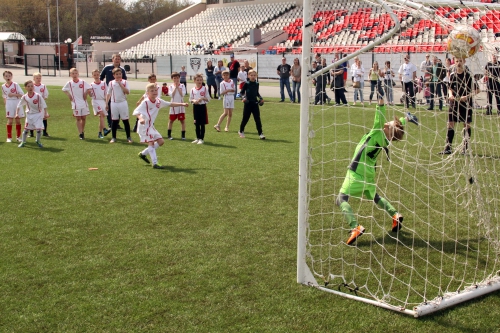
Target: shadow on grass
217 145
44 149
54 138
97 141
171 168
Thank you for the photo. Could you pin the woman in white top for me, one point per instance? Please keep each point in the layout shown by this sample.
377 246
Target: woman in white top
358 75
389 82
296 73
218 75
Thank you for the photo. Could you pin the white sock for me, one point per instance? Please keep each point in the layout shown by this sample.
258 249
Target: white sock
156 145
152 153
145 151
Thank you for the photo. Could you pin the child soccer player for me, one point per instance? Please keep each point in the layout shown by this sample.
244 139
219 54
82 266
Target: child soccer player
199 98
98 93
146 112
360 178
252 100
77 91
42 90
177 91
242 78
36 112
164 90
11 93
151 79
226 89
117 94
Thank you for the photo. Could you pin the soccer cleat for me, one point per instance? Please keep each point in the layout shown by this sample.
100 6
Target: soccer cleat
21 145
262 136
157 166
144 158
45 134
217 128
355 233
397 219
446 151
129 140
113 140
181 139
170 138
39 144
80 136
226 129
19 140
195 141
106 131
241 134
200 142
100 136
412 118
9 140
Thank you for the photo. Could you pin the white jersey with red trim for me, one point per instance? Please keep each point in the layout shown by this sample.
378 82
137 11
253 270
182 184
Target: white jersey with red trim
34 103
148 109
77 90
98 90
116 92
42 90
178 97
201 92
13 88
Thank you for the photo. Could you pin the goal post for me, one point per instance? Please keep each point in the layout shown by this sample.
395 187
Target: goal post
447 251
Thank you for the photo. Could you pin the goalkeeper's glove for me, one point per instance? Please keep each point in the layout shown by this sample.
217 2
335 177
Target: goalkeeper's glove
412 118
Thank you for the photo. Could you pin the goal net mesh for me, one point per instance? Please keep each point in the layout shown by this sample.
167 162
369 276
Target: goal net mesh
449 242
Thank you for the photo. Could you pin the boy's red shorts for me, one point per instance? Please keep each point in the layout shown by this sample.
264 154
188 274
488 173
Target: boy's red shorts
180 116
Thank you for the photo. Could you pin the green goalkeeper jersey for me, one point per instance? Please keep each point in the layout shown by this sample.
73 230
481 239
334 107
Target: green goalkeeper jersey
371 144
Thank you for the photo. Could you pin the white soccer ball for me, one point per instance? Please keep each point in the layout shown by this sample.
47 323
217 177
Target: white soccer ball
463 41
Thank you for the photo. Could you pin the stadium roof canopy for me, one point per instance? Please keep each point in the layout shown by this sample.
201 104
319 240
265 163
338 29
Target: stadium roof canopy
11 36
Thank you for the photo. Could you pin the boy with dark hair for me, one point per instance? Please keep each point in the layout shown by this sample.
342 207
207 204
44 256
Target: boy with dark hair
360 178
117 94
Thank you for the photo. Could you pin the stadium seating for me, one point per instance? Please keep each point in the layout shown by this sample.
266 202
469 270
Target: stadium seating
338 26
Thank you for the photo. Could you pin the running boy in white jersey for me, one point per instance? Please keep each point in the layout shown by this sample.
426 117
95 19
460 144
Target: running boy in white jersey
98 94
147 112
151 79
11 93
77 91
118 90
226 89
42 90
177 91
199 97
36 112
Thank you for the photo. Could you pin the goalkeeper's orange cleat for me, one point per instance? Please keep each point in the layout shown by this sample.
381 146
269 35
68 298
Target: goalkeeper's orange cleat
355 233
397 219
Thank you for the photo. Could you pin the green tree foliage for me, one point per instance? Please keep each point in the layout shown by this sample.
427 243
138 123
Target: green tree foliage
115 18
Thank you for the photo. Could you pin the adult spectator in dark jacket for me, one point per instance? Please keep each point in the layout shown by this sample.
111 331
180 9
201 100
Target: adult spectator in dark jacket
436 83
234 68
107 73
283 71
492 72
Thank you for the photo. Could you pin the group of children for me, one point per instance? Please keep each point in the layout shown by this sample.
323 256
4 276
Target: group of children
112 98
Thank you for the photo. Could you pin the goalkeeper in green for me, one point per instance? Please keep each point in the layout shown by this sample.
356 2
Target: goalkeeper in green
360 178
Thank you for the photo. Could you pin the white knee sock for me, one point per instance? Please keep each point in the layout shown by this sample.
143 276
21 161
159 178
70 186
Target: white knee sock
145 151
152 153
156 145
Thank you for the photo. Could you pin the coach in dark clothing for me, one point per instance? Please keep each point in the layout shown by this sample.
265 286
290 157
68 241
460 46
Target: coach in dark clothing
283 71
234 68
320 86
492 70
107 73
436 83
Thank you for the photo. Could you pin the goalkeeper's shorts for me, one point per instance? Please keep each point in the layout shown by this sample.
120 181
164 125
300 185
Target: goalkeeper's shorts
358 186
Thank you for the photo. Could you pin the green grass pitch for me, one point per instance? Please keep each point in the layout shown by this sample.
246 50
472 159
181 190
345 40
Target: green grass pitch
206 245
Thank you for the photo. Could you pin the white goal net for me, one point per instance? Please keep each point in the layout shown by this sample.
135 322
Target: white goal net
448 247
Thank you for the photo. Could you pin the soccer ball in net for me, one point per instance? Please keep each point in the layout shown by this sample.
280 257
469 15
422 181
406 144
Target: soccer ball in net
463 41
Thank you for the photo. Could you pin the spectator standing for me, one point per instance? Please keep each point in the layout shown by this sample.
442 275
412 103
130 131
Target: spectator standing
389 82
234 68
407 76
283 71
326 82
107 75
210 73
375 82
426 69
296 83
358 80
492 72
218 75
338 85
435 84
183 77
